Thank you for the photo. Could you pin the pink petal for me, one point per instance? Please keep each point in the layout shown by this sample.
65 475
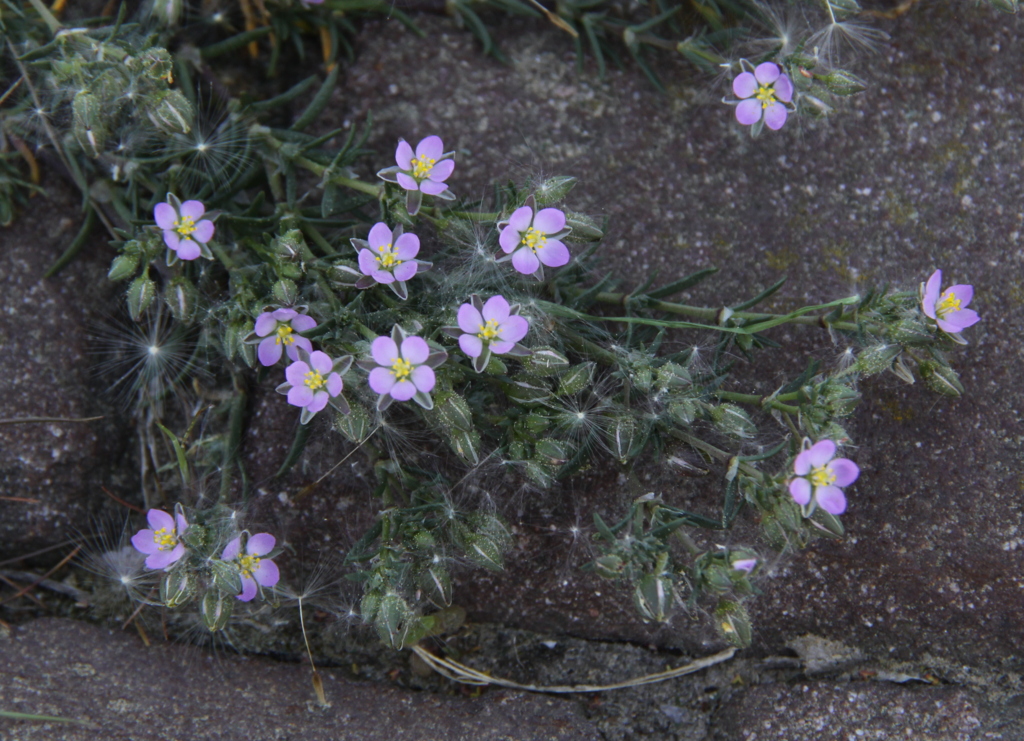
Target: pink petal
165 215
509 239
160 560
406 270
367 262
415 350
379 236
320 399
265 324
430 148
802 463
963 292
285 315
931 294
775 116
321 361
158 519
403 390
513 329
204 231
767 73
821 453
188 250
423 379
300 396
176 554
381 380
554 254
231 550
549 221
525 261
500 348
845 471
442 170
496 308
800 490
181 522
384 351
249 589
744 85
172 240
260 544
470 344
296 373
302 342
470 319
193 210
432 187
749 111
407 246
144 542
303 322
406 181
521 218
784 89
404 155
383 276
269 352
334 384
831 499
267 573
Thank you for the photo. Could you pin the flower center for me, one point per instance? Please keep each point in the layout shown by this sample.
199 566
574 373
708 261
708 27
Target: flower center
165 540
488 331
947 304
401 369
822 476
248 564
185 225
387 258
284 335
766 95
314 380
535 239
421 167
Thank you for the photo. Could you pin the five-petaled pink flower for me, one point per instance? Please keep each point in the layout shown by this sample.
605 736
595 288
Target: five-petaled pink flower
186 232
948 308
533 237
489 327
161 541
402 368
763 92
421 171
313 381
253 568
820 476
278 328
389 258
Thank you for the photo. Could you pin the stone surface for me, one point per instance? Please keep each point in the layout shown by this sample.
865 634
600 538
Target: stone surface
123 689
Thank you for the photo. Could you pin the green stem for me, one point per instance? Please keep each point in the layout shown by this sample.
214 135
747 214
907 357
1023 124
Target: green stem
52 23
368 188
473 216
714 452
761 401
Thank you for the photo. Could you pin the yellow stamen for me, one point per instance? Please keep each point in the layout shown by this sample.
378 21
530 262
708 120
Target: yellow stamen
401 369
421 167
822 476
766 95
535 239
165 540
948 303
185 225
314 380
488 331
387 258
248 564
284 335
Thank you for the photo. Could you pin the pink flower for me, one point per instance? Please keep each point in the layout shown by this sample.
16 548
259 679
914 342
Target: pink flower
819 475
491 327
402 368
313 381
389 258
948 309
278 329
421 171
251 566
745 565
161 541
763 92
532 239
186 232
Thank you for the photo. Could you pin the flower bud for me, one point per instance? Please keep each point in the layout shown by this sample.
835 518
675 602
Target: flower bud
810 105
653 597
177 588
546 361
286 292
733 623
1006 6
609 566
672 376
369 606
576 379
354 426
225 576
171 112
876 359
910 332
466 445
733 421
436 585
392 621
88 123
551 452
841 82
167 12
684 411
182 299
584 229
123 267
141 293
554 189
941 378
453 411
215 609
623 434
